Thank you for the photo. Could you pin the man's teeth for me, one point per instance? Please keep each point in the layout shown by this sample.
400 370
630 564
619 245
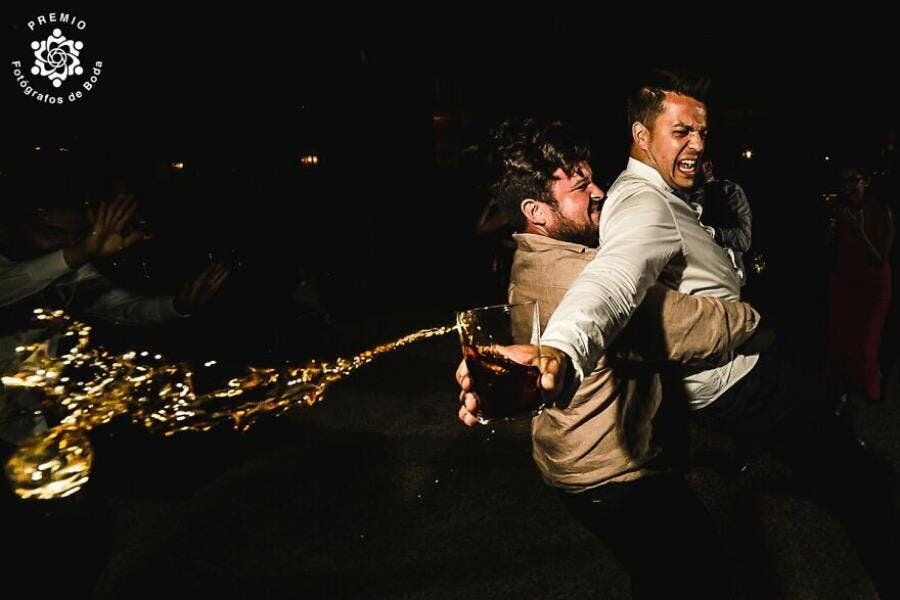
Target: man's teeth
687 165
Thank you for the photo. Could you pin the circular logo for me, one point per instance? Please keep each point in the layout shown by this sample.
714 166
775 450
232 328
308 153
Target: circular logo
55 68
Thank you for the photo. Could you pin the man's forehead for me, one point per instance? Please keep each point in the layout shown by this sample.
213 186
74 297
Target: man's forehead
683 108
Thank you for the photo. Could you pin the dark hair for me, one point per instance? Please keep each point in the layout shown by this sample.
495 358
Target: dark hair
524 154
646 102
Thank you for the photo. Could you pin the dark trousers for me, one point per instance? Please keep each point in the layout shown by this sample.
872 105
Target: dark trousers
769 407
661 533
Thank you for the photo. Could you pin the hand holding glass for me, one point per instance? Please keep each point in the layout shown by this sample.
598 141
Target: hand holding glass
506 388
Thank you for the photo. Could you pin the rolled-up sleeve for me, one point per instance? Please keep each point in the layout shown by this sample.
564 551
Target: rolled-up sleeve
639 238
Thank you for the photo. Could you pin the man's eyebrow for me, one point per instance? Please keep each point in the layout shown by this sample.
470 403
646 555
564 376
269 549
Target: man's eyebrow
689 127
579 180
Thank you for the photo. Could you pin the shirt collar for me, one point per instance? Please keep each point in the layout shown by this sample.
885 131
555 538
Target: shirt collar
535 242
645 171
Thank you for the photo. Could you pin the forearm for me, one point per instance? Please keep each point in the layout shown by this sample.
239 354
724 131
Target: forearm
76 256
676 327
22 280
124 308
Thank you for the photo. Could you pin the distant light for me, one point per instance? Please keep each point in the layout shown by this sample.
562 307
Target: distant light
748 153
827 158
178 165
758 263
37 148
63 149
309 160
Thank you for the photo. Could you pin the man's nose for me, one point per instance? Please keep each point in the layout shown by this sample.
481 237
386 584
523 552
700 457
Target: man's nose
695 140
596 192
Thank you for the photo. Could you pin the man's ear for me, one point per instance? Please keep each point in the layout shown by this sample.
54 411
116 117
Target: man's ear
533 211
640 135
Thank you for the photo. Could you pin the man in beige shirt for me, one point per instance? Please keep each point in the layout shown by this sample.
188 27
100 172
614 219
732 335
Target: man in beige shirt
599 448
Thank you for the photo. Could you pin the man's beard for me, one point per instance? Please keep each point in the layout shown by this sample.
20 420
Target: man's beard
566 231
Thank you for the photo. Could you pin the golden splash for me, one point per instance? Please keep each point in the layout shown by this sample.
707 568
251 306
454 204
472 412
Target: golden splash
87 386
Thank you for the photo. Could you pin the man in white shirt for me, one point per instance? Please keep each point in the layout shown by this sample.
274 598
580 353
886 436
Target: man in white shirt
648 234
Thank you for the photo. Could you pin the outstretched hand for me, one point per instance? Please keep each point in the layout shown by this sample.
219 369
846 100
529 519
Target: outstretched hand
202 288
552 363
109 232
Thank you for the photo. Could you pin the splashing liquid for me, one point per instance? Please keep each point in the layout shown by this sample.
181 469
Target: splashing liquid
89 386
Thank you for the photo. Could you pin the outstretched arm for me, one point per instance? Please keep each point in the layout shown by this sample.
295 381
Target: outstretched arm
108 236
641 238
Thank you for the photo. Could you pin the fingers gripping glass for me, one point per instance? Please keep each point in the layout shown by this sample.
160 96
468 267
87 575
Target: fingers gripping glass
496 340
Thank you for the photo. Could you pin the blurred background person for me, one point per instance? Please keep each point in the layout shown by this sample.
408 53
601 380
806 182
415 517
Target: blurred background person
859 292
727 211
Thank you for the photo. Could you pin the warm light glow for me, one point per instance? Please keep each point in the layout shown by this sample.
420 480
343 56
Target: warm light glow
87 386
748 153
178 165
827 158
309 160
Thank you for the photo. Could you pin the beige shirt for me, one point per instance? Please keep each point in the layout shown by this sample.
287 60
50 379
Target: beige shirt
647 234
604 434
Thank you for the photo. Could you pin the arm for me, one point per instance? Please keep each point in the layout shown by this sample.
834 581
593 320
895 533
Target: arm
109 302
737 235
641 238
22 280
491 219
857 229
884 237
682 328
100 298
106 238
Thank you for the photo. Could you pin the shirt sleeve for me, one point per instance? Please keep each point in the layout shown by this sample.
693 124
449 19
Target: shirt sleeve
640 238
101 298
671 326
21 280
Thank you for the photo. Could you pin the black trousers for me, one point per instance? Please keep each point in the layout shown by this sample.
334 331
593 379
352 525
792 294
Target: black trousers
771 407
661 533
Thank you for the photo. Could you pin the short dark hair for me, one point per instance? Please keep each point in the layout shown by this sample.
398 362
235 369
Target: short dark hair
524 154
646 102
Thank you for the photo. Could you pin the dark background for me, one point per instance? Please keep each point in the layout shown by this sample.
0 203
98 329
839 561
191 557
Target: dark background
379 492
395 109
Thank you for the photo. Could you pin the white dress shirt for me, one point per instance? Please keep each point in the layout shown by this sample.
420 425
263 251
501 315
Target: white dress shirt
646 234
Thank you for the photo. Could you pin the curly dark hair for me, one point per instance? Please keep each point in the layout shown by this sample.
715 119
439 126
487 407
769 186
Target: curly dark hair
646 102
524 154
